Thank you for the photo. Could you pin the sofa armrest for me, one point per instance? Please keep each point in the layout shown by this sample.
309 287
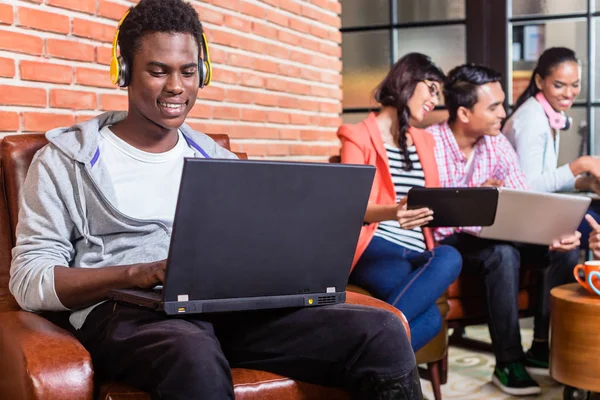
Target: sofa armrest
357 298
41 360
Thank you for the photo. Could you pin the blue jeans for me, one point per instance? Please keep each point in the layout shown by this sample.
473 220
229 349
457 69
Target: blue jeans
411 281
498 263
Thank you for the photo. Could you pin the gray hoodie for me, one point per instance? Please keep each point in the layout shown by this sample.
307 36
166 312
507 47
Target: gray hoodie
67 217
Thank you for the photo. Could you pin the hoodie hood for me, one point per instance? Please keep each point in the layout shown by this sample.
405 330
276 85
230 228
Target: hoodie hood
80 141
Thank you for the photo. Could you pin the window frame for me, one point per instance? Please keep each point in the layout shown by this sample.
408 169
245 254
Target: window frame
391 27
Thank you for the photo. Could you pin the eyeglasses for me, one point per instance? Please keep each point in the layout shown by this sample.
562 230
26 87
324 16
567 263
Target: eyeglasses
433 90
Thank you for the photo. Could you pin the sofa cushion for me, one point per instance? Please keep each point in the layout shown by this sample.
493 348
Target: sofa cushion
248 385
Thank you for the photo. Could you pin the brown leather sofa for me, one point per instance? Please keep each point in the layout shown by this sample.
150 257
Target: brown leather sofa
41 359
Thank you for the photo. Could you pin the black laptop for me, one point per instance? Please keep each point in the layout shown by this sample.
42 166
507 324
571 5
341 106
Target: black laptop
250 235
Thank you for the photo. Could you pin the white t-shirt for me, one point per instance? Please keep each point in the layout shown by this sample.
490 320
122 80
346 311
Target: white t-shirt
146 184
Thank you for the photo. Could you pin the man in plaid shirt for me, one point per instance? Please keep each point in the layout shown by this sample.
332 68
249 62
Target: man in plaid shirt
471 152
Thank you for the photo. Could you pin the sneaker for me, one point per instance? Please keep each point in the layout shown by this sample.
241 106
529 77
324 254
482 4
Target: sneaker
513 379
535 365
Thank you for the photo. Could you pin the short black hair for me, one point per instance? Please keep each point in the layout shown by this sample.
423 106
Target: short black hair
150 16
460 89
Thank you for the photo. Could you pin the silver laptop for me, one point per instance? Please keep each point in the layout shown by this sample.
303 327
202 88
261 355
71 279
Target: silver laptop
536 218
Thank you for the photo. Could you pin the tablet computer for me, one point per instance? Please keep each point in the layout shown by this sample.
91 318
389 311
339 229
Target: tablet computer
454 207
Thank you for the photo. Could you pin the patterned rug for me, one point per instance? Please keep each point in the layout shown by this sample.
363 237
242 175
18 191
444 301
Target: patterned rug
470 373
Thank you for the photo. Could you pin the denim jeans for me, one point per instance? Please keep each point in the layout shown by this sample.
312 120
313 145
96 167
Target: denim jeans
174 358
499 263
412 281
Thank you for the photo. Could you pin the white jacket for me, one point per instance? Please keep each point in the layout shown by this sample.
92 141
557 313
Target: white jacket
529 131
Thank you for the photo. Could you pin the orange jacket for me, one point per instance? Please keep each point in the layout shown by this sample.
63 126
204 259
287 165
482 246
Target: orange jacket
362 144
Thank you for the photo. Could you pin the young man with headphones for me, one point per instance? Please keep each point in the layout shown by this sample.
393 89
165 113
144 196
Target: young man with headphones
96 214
471 152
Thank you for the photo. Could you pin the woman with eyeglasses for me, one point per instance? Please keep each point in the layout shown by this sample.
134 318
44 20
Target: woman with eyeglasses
395 258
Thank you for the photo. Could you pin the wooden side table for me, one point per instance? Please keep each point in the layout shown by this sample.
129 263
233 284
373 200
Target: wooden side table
575 337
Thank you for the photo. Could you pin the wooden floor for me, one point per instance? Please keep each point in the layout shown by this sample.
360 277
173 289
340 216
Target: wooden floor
470 373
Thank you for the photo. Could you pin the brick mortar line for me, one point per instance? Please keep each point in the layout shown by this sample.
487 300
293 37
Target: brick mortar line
101 67
284 61
258 107
321 143
100 90
273 41
285 78
246 89
63 11
93 42
29 57
18 81
59 110
97 111
310 5
232 123
113 23
11 54
123 2
48 35
270 7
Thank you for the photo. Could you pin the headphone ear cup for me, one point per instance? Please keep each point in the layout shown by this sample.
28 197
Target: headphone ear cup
568 123
115 71
202 72
123 72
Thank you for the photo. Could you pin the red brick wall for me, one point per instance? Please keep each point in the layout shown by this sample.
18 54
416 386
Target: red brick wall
276 89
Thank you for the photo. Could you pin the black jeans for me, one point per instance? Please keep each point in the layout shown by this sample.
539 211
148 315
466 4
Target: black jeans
499 264
190 358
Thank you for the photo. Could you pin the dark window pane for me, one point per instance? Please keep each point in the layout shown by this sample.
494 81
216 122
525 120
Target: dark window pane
365 12
547 7
530 40
446 45
366 60
430 10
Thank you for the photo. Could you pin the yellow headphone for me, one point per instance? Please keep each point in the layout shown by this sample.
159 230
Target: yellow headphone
119 70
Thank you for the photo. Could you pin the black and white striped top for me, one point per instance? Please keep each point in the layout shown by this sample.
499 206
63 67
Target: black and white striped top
412 239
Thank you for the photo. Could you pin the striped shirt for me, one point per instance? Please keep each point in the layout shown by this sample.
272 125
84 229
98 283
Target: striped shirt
412 239
493 158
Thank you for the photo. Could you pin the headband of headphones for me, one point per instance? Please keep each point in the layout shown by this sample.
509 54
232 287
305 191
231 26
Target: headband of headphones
120 73
558 120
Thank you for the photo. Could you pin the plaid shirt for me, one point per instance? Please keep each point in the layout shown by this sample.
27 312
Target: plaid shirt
493 158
